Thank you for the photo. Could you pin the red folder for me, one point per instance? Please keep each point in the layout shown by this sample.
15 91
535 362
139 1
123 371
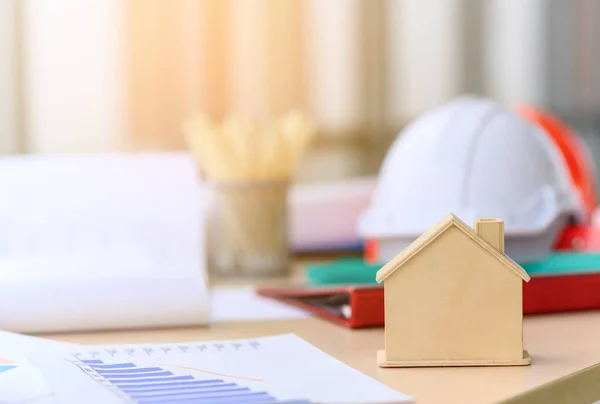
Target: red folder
362 306
351 306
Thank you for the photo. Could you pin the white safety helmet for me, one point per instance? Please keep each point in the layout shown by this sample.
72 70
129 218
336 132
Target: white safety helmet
476 159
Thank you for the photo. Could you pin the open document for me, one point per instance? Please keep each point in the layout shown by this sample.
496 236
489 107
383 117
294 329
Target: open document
277 369
100 242
20 381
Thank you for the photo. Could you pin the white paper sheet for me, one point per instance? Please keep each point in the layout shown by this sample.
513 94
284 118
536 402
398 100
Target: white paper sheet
105 241
100 242
277 369
243 304
20 380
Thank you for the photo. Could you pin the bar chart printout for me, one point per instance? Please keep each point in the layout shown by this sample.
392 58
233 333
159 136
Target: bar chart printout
275 369
156 385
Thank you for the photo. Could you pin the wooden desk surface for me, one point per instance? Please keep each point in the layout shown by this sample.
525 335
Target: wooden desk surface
565 351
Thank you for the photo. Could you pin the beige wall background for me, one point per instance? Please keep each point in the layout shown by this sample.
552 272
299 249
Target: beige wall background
109 75
9 78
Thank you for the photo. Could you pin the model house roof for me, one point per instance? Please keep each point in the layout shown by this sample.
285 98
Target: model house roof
429 236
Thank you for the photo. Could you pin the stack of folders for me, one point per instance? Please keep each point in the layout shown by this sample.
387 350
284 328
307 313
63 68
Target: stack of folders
345 291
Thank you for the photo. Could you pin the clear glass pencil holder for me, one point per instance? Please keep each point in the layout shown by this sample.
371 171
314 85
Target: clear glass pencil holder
248 229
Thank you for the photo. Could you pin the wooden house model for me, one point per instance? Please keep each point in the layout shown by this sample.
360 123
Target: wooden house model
453 298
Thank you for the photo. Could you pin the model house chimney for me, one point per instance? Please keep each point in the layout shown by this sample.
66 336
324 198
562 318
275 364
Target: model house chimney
492 231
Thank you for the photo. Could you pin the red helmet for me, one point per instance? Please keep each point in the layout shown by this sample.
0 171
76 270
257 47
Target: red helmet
575 152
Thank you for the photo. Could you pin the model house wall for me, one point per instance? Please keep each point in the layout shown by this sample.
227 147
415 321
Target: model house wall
439 305
453 298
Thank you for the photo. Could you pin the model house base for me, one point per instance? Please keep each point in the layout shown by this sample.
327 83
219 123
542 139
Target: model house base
384 363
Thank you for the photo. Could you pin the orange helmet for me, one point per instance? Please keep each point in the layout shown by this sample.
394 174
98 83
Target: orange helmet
575 152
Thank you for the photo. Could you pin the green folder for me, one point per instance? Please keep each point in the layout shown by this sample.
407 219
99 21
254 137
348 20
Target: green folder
355 271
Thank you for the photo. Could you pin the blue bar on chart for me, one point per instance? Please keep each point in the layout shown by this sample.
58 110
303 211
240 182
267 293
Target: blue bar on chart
4 368
156 385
